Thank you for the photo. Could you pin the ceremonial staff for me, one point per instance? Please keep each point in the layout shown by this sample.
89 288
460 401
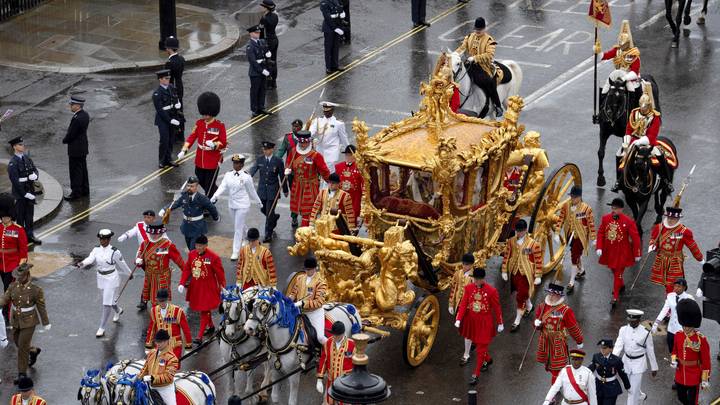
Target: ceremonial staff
168 210
676 204
527 349
130 277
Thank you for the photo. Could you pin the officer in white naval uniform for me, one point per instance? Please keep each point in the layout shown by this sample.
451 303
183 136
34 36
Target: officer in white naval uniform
582 379
637 344
670 309
108 261
241 194
329 135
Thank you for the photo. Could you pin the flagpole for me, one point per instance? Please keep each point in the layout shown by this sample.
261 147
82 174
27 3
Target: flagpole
595 85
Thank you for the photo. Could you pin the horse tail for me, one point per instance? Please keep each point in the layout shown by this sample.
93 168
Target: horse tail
516 79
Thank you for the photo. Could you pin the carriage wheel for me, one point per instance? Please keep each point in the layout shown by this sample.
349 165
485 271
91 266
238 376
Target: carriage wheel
552 197
421 330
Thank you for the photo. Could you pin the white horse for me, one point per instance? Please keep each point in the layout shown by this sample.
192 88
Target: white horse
277 318
191 388
472 97
234 342
92 391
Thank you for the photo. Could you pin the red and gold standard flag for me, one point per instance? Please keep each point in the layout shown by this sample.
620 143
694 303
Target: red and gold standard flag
599 12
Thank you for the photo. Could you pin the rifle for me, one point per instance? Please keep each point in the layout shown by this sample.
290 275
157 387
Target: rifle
168 210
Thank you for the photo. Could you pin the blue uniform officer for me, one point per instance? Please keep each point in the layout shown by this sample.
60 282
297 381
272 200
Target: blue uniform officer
193 205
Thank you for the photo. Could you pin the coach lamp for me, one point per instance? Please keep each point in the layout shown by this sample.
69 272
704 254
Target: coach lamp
360 386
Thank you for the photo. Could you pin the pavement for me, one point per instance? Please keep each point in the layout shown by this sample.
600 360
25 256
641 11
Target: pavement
47 203
552 42
83 36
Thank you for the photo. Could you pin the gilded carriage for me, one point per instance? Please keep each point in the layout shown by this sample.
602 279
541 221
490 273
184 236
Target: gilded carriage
437 184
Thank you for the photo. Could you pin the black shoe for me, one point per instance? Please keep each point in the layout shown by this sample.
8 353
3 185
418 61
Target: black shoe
210 331
622 289
267 239
197 342
425 23
687 20
473 380
674 387
34 241
265 112
72 197
339 69
415 25
613 304
499 112
329 71
570 289
616 187
514 327
464 360
33 356
17 380
173 164
142 305
294 223
580 275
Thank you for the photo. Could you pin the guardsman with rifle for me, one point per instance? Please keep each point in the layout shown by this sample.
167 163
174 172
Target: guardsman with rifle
271 177
211 137
635 343
333 15
258 56
461 278
241 194
160 368
333 198
172 319
351 180
307 167
335 360
618 245
26 393
268 23
555 320
28 310
577 221
23 175
523 266
608 368
175 63
203 277
166 117
108 262
479 304
690 355
256 266
193 205
576 383
13 245
154 257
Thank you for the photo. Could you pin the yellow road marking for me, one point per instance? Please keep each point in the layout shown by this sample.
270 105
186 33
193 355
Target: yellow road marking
241 127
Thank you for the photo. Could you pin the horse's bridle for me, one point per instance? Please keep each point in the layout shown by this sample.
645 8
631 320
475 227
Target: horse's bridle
268 320
227 320
89 384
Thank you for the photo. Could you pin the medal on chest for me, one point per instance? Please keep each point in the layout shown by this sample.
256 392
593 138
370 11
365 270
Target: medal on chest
197 269
614 233
478 304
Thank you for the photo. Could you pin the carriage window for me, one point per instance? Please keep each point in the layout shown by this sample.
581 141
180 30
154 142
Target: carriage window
404 191
478 195
459 188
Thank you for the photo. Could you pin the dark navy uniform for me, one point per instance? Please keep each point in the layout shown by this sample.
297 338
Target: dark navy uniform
272 173
607 370
165 102
77 142
269 22
193 206
23 174
256 52
176 65
332 29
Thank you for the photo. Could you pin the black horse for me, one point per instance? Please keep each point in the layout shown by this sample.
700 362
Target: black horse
639 182
615 107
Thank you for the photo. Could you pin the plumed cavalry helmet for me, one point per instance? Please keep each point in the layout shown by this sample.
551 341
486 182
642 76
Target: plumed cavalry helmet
647 100
625 39
209 104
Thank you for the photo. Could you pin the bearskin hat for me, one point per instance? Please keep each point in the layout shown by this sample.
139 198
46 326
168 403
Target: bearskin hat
209 104
689 313
7 205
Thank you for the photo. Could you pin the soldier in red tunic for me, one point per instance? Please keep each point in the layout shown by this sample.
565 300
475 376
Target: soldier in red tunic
13 246
461 278
670 236
576 219
351 180
335 360
307 167
211 138
154 256
475 319
618 245
171 318
523 266
204 277
691 354
555 320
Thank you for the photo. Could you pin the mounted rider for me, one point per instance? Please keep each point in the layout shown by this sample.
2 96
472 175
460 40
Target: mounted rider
481 67
643 127
625 56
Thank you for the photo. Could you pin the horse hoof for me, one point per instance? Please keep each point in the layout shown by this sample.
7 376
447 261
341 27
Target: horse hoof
601 181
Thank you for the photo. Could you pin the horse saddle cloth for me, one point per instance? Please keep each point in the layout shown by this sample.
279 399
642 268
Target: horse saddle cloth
502 73
667 151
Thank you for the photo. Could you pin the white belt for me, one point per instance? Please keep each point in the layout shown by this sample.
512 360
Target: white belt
23 179
260 60
168 107
197 218
28 309
605 379
202 147
334 15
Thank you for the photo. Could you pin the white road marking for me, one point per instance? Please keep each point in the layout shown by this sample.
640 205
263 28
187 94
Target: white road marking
380 110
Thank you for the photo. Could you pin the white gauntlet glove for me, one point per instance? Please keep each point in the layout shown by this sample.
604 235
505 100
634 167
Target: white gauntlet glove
122 238
500 328
342 15
181 289
457 324
32 177
213 199
699 293
268 54
139 261
162 212
598 252
178 105
505 276
319 386
210 144
147 378
538 280
537 323
288 171
451 310
471 59
174 122
29 196
265 73
48 326
181 154
339 31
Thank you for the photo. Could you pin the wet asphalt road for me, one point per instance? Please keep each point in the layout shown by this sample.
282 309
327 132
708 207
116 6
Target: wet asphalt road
551 40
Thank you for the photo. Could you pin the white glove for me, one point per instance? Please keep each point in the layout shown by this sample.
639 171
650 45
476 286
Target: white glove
705 385
537 323
3 343
342 15
651 248
556 238
654 328
174 122
268 54
265 73
147 378
299 304
504 276
319 386
178 105
501 328
598 252
181 154
471 59
451 310
702 262
699 293
213 199
339 31
162 212
29 196
673 364
594 243
457 324
546 403
637 259
32 177
48 326
538 280
139 261
643 140
122 238
181 289
288 171
210 144
580 346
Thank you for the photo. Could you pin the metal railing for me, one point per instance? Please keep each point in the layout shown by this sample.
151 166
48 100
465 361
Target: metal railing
10 8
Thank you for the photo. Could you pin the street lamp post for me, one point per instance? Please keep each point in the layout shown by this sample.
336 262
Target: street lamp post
359 386
168 22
